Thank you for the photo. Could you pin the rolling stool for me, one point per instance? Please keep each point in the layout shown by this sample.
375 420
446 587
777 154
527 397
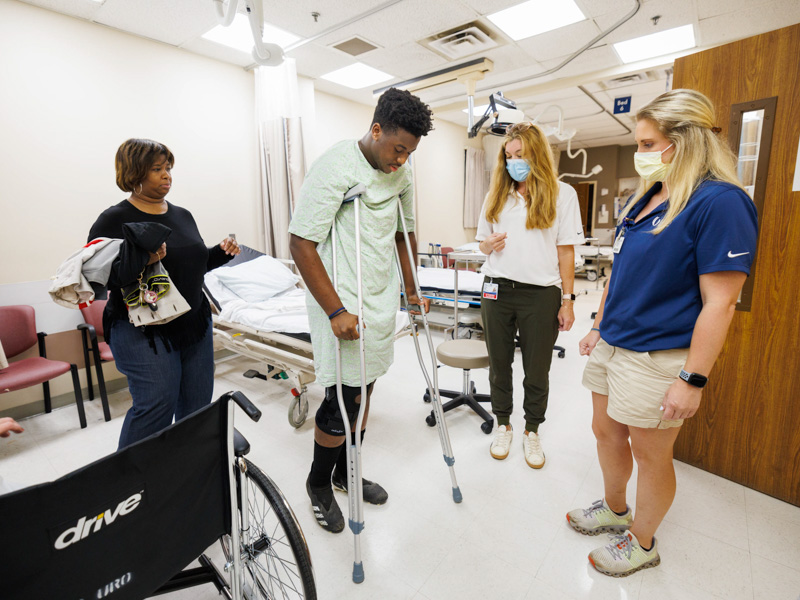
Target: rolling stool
466 355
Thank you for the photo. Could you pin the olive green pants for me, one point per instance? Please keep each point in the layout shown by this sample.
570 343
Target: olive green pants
532 311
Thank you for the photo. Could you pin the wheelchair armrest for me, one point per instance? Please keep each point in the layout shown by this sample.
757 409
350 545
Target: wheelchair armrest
240 444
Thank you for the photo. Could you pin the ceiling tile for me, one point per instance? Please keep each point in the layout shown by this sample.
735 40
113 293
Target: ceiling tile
671 13
315 60
559 41
75 8
747 23
713 8
173 22
218 52
405 61
594 59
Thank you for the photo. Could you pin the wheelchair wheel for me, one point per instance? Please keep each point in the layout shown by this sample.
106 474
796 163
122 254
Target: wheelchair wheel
275 555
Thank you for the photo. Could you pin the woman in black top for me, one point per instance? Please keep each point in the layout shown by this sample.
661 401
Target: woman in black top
169 367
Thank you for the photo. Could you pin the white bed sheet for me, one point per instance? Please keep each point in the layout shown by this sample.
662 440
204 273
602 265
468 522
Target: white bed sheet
443 280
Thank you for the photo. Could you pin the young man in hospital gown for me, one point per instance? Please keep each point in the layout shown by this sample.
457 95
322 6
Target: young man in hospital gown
378 160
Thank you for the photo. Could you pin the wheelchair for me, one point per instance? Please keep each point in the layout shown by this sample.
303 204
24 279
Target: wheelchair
126 526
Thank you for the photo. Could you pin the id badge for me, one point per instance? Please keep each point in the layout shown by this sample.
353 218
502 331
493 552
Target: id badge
618 242
490 291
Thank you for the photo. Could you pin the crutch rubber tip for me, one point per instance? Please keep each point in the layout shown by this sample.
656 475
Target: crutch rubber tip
457 495
358 572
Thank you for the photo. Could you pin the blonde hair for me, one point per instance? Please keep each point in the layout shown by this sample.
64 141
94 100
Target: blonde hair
541 190
686 118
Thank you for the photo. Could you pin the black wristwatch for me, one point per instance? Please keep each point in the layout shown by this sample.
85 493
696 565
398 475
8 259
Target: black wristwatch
695 379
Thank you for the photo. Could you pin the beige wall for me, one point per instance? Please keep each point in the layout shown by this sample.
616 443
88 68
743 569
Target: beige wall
71 92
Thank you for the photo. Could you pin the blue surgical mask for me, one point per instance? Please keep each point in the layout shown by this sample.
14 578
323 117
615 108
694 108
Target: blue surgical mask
518 168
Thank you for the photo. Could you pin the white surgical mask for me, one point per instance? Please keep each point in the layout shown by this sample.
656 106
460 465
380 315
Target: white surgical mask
649 166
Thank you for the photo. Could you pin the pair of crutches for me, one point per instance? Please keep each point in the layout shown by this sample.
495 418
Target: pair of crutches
355 491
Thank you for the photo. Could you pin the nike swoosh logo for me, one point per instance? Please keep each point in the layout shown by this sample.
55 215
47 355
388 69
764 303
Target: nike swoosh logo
731 255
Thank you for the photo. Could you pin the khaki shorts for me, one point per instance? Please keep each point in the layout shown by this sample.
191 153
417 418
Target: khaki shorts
635 382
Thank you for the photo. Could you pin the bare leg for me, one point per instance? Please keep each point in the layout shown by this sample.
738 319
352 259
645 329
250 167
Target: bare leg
614 453
655 489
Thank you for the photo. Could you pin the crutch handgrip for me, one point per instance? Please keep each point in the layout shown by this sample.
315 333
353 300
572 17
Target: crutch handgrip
354 192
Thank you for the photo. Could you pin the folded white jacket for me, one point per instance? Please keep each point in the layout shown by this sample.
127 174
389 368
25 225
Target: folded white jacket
71 286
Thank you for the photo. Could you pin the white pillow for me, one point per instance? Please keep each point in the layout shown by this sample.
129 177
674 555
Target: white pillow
258 279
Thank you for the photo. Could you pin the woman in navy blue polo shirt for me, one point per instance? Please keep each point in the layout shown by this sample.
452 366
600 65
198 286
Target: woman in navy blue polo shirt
684 247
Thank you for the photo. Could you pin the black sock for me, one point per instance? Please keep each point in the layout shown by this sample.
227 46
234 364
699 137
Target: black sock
341 462
622 514
646 549
322 467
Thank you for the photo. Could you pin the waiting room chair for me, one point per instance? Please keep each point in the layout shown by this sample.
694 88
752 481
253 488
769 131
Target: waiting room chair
101 351
18 334
465 355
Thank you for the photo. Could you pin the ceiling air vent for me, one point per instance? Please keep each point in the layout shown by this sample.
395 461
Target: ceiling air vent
355 46
625 80
464 41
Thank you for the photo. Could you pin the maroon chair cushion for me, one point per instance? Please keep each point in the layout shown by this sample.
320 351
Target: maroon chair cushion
93 315
105 352
30 371
17 329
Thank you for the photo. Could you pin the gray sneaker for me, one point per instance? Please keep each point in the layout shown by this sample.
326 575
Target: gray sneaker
599 518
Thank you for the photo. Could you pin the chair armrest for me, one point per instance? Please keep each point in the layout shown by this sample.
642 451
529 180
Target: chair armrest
42 351
89 329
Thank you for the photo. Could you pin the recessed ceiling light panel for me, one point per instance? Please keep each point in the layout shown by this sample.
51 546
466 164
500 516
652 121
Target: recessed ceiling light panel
357 76
239 36
656 44
535 17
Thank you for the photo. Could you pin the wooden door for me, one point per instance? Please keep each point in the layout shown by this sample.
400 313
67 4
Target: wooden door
582 190
748 426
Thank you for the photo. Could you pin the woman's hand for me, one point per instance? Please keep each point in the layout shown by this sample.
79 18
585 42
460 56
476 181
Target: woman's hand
345 326
566 317
587 344
158 255
681 401
230 246
496 242
425 303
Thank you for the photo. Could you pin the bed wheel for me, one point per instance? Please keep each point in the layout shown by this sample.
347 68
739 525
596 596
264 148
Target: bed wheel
591 275
298 409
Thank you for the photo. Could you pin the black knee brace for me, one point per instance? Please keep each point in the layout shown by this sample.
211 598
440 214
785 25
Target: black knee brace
329 417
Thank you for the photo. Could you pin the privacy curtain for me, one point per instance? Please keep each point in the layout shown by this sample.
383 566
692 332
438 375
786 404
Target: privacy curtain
475 185
280 148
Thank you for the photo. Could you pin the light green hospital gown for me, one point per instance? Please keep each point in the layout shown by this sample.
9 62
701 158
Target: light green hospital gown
339 169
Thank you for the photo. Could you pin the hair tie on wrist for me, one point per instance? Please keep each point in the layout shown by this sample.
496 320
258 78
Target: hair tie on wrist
336 312
595 329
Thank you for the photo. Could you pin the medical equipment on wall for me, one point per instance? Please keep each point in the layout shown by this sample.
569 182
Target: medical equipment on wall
266 54
565 135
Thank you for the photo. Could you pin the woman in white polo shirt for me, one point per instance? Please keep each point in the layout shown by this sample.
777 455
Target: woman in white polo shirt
529 226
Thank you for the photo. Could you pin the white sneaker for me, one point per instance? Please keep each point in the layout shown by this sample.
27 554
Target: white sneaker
502 442
534 455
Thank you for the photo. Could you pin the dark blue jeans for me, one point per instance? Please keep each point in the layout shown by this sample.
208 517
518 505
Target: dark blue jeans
164 385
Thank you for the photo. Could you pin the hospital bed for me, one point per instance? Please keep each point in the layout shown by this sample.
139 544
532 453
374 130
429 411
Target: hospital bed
438 285
259 311
591 260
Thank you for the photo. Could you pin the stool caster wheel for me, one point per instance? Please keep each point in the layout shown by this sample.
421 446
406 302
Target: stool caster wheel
486 427
426 397
562 354
430 420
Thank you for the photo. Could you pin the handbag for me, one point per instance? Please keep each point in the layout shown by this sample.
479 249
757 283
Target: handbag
154 299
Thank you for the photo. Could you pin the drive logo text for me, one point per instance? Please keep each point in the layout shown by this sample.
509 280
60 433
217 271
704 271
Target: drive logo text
93 524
